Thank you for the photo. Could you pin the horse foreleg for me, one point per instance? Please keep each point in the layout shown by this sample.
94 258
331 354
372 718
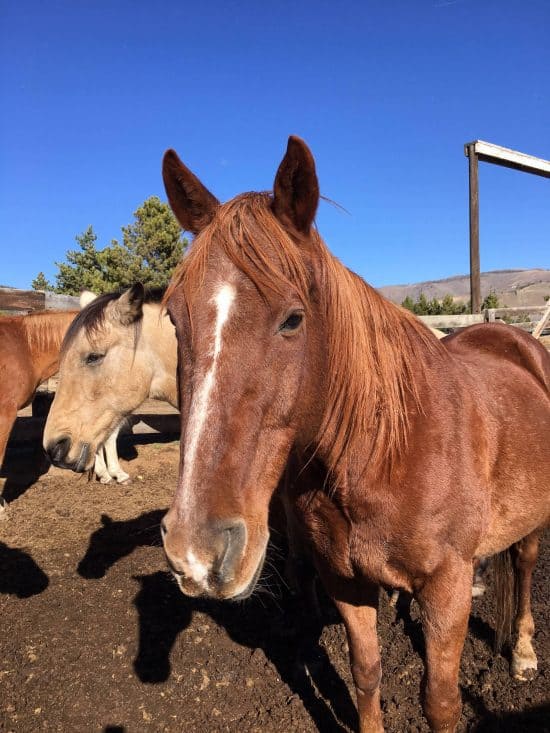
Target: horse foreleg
524 659
8 413
445 602
111 458
100 469
360 623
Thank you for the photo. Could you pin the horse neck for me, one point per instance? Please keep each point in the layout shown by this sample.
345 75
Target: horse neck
158 337
379 358
44 333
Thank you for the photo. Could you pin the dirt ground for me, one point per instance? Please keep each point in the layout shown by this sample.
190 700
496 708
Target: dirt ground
96 636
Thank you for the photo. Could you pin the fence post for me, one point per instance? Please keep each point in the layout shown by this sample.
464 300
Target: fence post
539 328
475 282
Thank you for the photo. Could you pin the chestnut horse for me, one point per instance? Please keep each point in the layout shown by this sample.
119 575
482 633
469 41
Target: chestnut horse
414 457
29 355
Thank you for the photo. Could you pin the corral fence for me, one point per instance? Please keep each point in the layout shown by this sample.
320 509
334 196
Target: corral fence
13 301
532 318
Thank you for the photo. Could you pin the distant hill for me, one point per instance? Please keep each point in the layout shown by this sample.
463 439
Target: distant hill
513 287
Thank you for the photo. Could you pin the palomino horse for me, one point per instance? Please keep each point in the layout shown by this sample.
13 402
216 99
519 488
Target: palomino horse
413 457
119 350
30 351
30 355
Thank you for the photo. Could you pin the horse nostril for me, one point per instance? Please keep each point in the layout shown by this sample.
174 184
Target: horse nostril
57 450
163 529
235 540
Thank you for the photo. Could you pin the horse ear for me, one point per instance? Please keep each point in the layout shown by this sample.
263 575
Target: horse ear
86 297
296 189
191 202
128 308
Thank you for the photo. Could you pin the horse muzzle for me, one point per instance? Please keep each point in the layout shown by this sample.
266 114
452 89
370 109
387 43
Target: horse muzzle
219 576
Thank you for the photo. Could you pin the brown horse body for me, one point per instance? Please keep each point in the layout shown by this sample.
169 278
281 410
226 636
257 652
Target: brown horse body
29 355
409 458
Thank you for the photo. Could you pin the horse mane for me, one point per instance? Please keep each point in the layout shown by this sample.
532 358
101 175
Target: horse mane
44 330
92 317
375 348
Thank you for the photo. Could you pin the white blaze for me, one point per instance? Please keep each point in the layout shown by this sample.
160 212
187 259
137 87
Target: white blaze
201 399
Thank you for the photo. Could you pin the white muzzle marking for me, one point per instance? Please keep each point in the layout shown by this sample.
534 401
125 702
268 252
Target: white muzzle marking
196 570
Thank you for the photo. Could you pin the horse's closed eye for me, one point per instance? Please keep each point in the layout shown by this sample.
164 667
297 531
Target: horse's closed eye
292 322
93 358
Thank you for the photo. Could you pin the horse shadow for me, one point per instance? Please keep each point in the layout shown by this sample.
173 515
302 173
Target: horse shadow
282 626
532 720
19 573
117 539
22 467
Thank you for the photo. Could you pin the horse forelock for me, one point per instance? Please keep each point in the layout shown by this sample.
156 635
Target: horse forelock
92 318
247 232
374 347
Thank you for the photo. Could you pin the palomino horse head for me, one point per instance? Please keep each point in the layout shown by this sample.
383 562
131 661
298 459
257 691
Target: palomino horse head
245 303
102 377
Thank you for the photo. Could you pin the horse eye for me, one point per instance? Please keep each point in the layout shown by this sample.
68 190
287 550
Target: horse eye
93 358
292 322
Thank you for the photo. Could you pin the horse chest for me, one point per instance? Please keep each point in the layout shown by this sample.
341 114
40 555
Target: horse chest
346 549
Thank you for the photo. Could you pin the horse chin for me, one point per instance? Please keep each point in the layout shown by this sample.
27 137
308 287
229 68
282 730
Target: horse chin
249 589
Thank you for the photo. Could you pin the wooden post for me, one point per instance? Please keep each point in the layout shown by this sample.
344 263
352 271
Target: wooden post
475 282
539 328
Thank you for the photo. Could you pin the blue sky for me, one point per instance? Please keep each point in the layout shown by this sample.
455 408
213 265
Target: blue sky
385 93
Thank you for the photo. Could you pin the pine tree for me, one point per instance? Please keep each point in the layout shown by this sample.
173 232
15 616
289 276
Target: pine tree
40 282
434 307
421 307
84 268
154 243
151 248
408 303
491 301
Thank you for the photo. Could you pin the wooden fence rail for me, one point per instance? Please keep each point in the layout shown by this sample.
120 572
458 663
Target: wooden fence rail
490 315
28 301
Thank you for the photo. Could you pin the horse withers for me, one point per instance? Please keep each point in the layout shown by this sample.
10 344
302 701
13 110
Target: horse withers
411 457
119 350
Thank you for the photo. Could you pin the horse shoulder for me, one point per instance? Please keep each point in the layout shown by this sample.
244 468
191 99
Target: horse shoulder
16 368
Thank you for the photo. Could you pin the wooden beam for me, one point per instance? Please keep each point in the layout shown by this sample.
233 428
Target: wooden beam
490 153
21 300
59 302
458 321
475 278
514 309
539 328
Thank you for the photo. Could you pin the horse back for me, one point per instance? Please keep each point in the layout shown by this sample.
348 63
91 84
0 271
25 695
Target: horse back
504 343
511 388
